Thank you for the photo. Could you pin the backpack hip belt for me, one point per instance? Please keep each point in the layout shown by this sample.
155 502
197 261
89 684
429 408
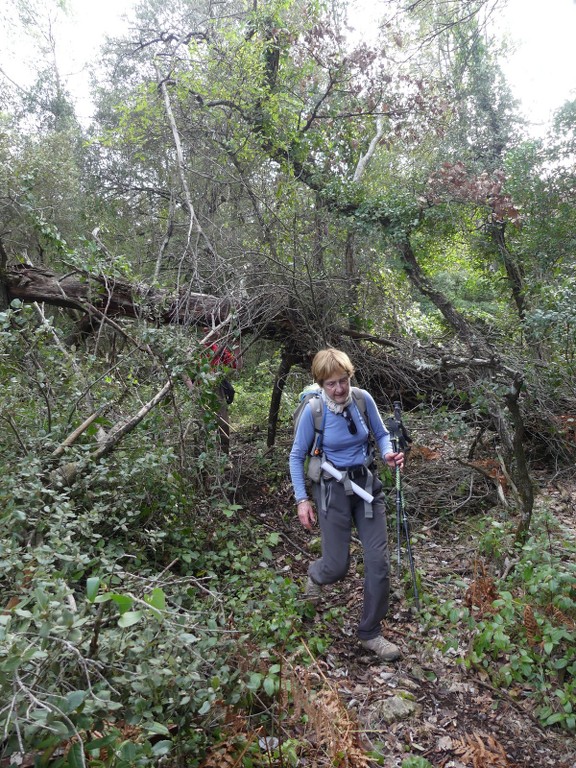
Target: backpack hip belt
350 488
358 470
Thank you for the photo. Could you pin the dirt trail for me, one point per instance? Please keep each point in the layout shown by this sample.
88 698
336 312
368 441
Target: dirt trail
458 719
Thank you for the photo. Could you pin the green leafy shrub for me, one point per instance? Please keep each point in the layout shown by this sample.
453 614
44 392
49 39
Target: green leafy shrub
96 638
525 640
130 595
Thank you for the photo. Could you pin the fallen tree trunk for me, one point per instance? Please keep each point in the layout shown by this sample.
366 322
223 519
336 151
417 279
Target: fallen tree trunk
102 299
97 295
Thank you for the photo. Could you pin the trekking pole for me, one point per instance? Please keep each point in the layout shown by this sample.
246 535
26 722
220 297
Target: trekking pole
396 446
401 517
395 439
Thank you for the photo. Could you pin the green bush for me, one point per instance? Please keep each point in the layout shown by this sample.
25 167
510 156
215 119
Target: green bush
526 640
99 638
131 595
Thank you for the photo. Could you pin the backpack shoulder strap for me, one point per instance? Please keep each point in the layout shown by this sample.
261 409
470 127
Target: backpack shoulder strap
319 416
360 400
317 408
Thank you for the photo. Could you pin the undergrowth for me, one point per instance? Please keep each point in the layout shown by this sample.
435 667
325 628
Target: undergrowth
126 635
139 605
519 631
143 617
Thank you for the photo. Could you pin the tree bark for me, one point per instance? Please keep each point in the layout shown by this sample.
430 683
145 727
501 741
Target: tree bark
512 438
424 285
112 297
4 300
522 473
287 360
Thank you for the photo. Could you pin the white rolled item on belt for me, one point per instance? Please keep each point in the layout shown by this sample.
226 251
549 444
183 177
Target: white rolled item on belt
337 475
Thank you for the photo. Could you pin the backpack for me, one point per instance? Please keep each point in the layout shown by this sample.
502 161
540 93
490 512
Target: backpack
310 395
228 390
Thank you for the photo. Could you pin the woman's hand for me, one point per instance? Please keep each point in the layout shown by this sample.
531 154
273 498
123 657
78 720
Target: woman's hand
394 460
306 514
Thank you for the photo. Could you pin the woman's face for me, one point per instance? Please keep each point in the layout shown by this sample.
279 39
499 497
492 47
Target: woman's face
337 386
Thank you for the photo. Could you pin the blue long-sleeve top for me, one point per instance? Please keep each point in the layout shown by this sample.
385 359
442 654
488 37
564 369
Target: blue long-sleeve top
339 446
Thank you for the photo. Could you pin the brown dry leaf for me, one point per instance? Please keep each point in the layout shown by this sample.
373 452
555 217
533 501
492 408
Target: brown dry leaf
334 727
425 453
491 468
230 753
559 617
445 744
481 751
533 633
482 591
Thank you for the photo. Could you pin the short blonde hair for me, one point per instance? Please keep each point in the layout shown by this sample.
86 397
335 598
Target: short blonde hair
329 362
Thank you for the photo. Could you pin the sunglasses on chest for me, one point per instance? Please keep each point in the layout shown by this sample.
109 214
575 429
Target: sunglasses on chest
352 428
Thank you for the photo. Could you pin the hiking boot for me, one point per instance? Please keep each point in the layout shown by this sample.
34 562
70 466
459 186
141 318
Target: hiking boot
313 591
382 648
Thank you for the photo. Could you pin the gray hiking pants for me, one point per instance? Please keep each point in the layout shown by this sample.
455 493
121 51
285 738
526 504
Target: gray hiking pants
342 512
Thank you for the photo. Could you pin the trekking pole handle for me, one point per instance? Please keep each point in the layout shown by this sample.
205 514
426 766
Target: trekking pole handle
395 436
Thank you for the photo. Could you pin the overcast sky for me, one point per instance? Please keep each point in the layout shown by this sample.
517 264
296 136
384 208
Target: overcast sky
541 72
541 68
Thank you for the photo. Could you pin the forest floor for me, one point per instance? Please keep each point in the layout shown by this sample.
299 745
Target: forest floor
456 717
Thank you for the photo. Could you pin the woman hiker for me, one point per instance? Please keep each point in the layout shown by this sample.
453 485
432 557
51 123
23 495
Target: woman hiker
345 445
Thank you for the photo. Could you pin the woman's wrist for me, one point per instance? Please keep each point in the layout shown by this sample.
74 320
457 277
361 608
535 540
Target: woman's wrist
301 501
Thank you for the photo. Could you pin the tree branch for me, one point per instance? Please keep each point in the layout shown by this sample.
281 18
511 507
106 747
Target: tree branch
69 473
365 159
